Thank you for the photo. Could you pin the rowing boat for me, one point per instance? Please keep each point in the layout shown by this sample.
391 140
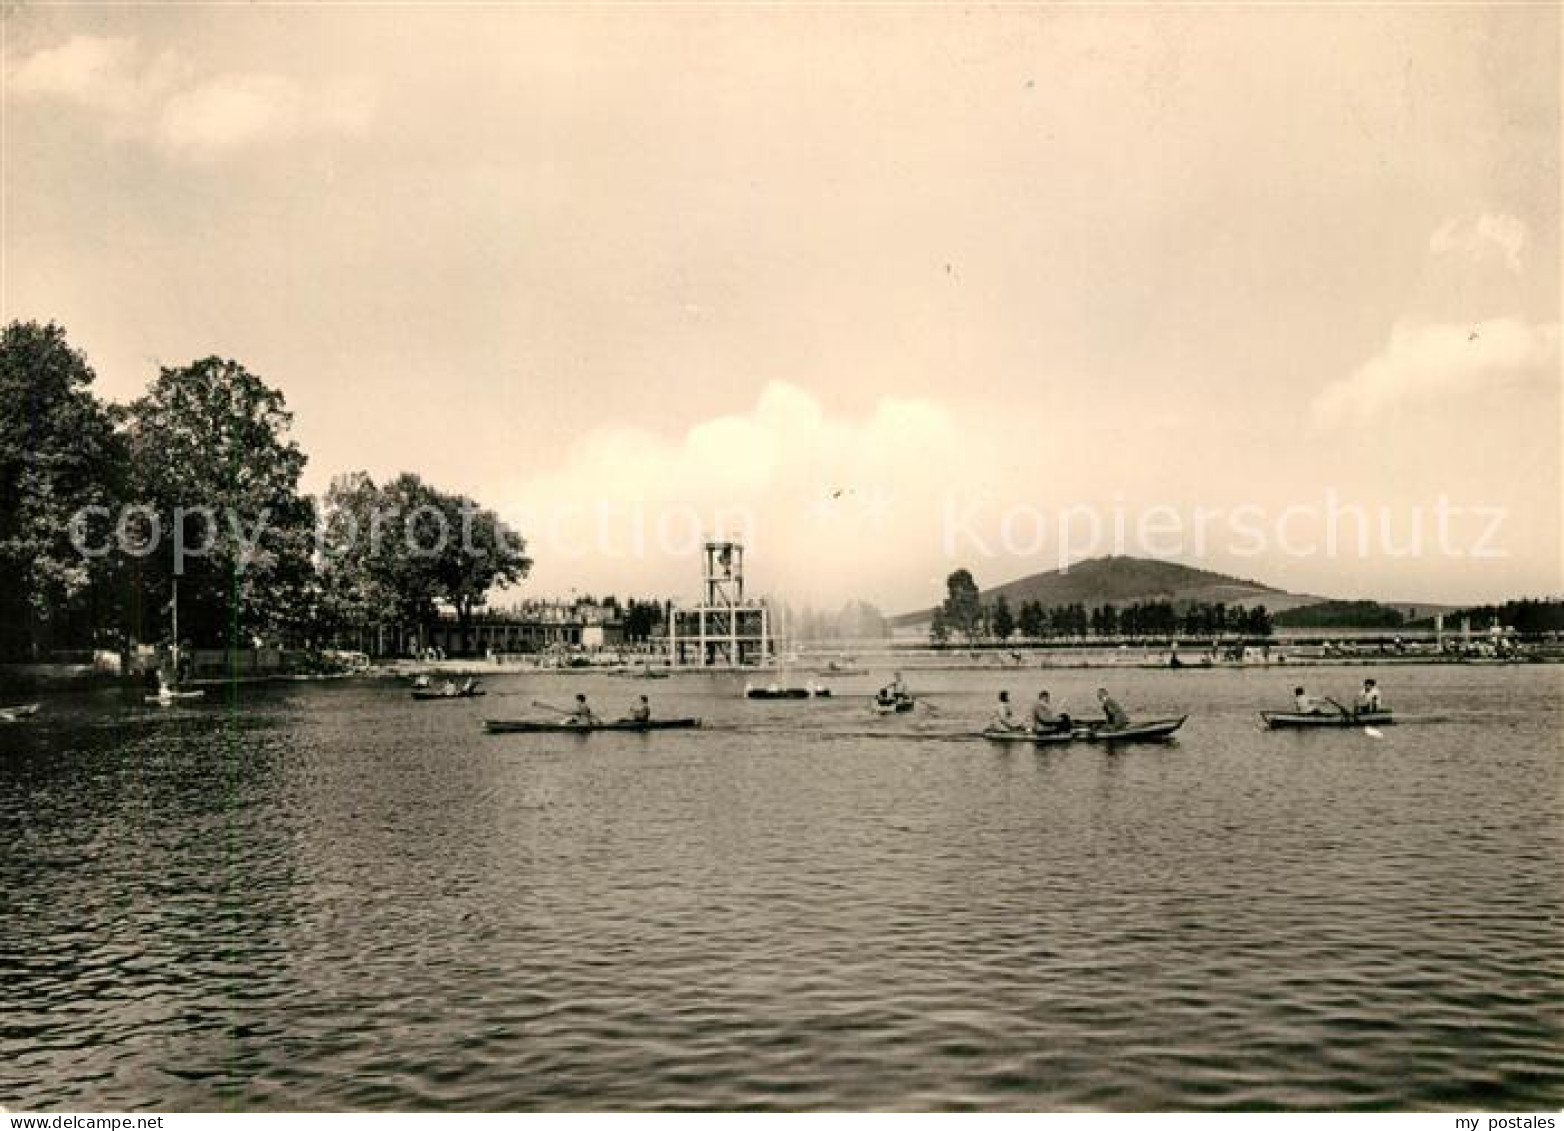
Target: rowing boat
787 693
18 713
1300 720
550 726
897 706
1153 730
426 695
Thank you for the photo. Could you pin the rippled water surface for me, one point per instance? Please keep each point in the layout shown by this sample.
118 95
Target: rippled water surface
328 896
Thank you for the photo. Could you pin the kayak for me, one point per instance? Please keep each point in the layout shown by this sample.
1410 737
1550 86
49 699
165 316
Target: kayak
164 698
17 714
787 693
551 726
896 706
423 695
1153 730
1297 720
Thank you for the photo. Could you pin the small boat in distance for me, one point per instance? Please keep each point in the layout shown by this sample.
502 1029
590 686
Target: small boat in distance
468 689
894 704
559 726
169 695
1302 720
1153 730
18 713
811 690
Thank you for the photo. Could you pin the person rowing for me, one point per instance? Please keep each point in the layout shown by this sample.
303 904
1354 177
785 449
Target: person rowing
1369 701
1004 718
582 714
893 692
1115 717
1306 704
1045 720
641 712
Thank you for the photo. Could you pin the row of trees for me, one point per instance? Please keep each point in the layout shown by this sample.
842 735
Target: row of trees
1528 616
965 614
1341 614
106 510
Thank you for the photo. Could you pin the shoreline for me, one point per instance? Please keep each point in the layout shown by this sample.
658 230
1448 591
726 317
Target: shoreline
70 678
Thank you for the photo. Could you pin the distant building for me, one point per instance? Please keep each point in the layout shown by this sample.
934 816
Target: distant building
534 626
725 629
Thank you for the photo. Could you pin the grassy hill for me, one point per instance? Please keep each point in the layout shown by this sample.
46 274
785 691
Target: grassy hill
1125 581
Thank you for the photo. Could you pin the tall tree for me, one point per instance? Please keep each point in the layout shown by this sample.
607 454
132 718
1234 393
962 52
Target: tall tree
213 459
392 555
58 455
963 607
483 553
1001 620
641 619
1033 621
355 603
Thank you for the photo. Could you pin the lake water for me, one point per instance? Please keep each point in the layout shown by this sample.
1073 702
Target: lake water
329 896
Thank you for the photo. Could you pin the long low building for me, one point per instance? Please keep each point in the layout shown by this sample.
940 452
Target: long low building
529 629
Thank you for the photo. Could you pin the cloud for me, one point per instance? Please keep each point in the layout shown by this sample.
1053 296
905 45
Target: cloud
828 505
1424 360
1483 238
163 100
236 110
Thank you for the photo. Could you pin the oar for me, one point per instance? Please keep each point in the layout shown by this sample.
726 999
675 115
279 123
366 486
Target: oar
1372 732
551 707
926 704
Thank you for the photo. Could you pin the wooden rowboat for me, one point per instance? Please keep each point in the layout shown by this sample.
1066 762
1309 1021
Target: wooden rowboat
1153 730
552 726
1299 720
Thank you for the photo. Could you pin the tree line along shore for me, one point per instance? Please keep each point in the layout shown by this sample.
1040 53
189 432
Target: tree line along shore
119 522
178 519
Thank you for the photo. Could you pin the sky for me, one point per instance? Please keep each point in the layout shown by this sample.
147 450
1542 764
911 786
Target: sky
885 290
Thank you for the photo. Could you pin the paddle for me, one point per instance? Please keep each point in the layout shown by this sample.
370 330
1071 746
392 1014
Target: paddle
1372 732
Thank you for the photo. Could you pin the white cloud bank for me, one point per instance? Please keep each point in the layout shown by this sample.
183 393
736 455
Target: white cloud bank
163 99
1426 360
828 505
1486 237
